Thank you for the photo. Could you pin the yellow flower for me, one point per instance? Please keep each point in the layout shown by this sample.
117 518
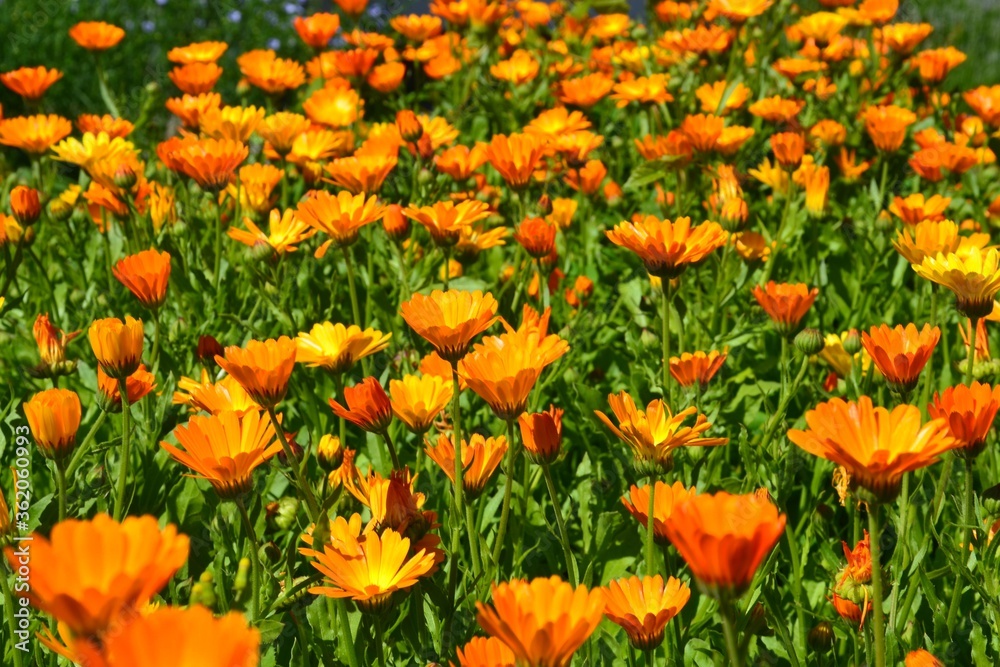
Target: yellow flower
973 276
417 400
336 347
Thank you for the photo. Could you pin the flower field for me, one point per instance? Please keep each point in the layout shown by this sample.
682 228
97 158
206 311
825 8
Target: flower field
509 334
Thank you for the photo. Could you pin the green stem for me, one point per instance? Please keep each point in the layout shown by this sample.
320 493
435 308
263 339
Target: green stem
878 616
543 286
217 269
84 447
355 311
254 560
300 481
61 486
155 357
8 606
126 450
507 488
346 638
773 257
969 362
967 521
800 602
447 267
379 640
772 425
727 612
563 535
665 297
650 527
470 525
392 450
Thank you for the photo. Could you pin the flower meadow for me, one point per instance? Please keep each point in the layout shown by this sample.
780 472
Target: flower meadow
512 334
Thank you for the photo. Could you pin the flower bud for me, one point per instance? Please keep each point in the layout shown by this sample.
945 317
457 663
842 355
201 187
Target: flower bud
852 342
25 205
409 125
60 210
821 637
397 225
329 453
809 342
208 349
125 177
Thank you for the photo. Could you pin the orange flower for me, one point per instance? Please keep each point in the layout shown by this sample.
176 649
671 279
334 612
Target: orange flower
503 369
643 607
232 123
117 345
210 162
281 130
417 401
52 343
666 498
969 412
285 232
185 637
878 11
901 353
520 68
262 369
985 101
541 434
699 367
777 109
724 538
25 205
224 395
480 459
931 237
121 569
904 37
198 52
788 147
786 304
334 106
886 126
876 446
585 91
702 131
370 568
667 248
137 385
446 220
34 134
195 78
108 124
544 621
386 77
485 652
934 64
738 11
265 70
461 162
340 216
916 208
145 274
368 407
515 157
655 433
973 276
417 27
317 30
450 320
96 35
190 108
922 658
30 82
852 593
225 449
536 236
54 418
353 7
337 348
362 172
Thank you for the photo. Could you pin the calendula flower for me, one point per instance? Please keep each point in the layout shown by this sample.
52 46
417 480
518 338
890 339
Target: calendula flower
900 353
738 11
724 538
985 101
284 232
197 52
536 236
340 216
788 147
334 107
336 347
654 433
34 134
281 130
195 78
52 342
145 274
261 368
317 30
124 566
186 637
257 183
969 413
916 208
541 434
225 449
515 157
520 68
96 35
189 108
371 577
585 91
461 162
113 127
117 345
265 70
450 320
903 38
930 237
417 400
666 247
25 205
386 77
886 126
875 445
210 162
715 100
368 407
232 123
54 418
933 65
815 180
922 658
503 369
786 304
852 594
137 386
973 276
445 220
225 395
480 459
666 498
365 171
643 607
777 109
30 82
485 652
699 367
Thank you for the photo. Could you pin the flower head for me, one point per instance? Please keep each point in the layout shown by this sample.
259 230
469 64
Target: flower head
54 418
34 134
225 449
969 412
643 607
516 157
973 276
197 52
724 538
886 126
284 232
785 304
666 247
30 82
137 385
543 621
900 353
210 162
96 35
317 30
699 367
852 594
450 320
52 342
145 274
117 345
485 652
262 369
368 407
480 458
336 347
265 70
537 236
446 220
340 216
875 445
195 78
417 400
541 433
665 498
